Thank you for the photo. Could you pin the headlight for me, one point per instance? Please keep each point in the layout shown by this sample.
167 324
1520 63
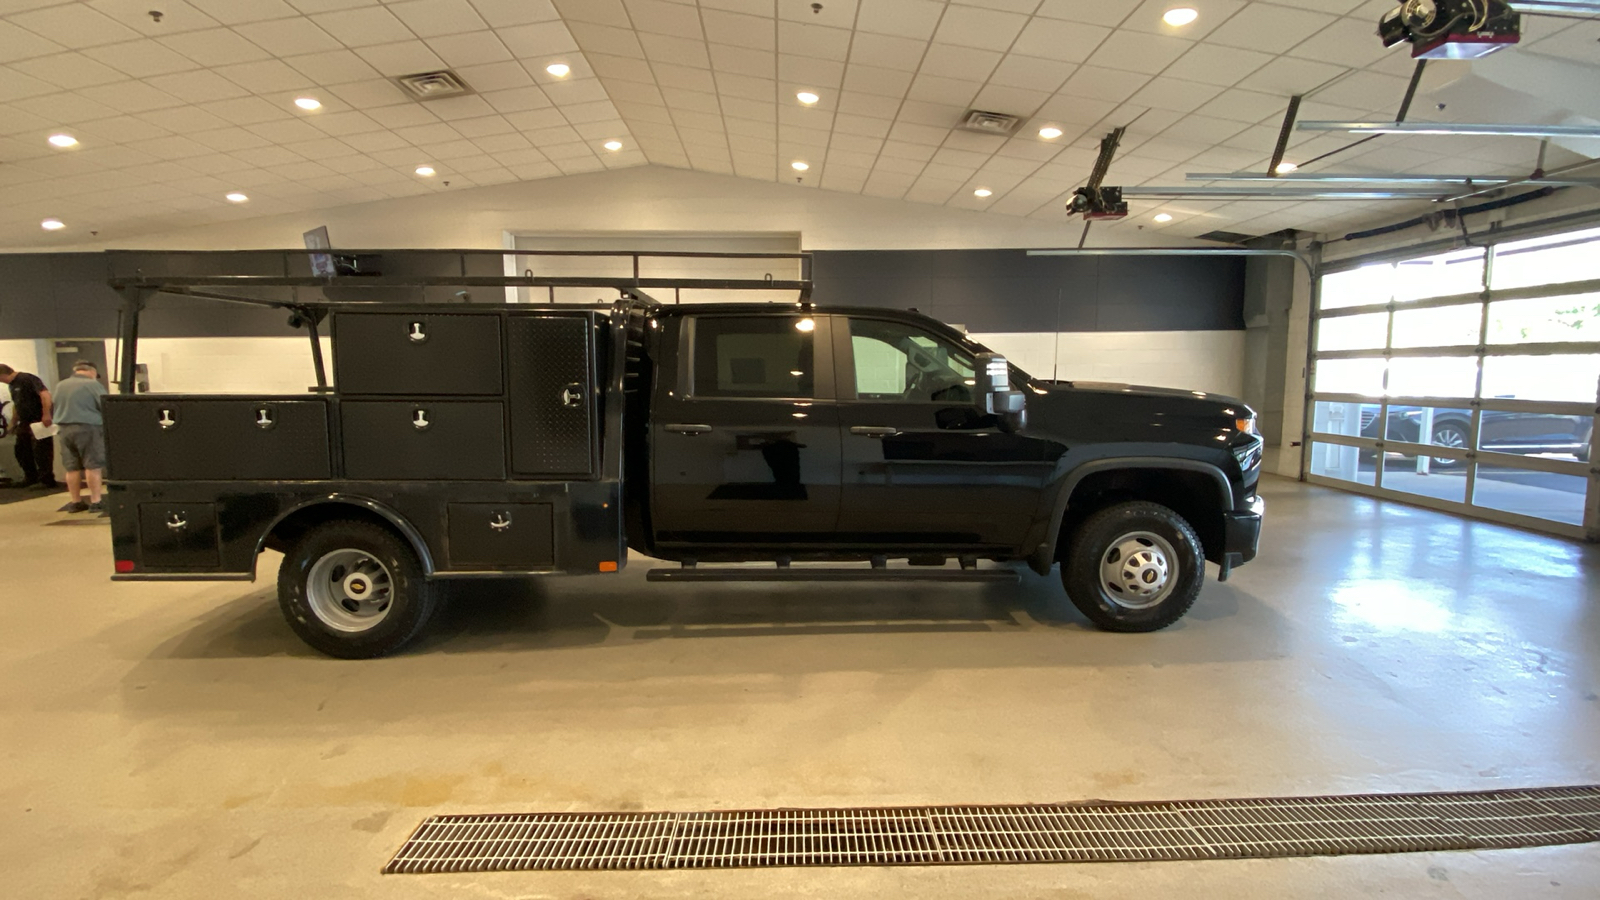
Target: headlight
1246 425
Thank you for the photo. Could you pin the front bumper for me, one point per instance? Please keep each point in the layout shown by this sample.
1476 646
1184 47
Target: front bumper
1241 537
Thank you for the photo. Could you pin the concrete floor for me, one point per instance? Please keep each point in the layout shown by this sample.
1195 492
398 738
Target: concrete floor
178 741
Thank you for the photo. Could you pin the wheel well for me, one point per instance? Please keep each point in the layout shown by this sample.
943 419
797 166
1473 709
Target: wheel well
1192 495
292 527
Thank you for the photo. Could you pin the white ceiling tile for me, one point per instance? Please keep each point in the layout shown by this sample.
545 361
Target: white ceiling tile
934 89
1013 101
499 13
14 85
68 70
729 84
434 18
1346 43
74 25
288 37
1265 26
887 51
233 12
1173 93
868 105
534 119
1031 72
407 114
144 58
483 126
753 32
1060 40
879 82
1148 53
565 93
684 51
1365 90
333 67
542 39
130 96
246 110
816 41
120 130
1203 129
1215 64
759 111
173 147
620 67
657 17
917 134
822 74
597 111
364 26
1097 83
1287 76
196 122
370 94
902 18
176 16
740 61
451 109
285 132
517 99
634 92
966 63
973 27
1099 12
473 48
403 58
619 42
264 76
686 77
217 47
19 43
197 87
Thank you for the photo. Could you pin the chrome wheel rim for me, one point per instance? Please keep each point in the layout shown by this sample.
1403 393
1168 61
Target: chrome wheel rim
1139 570
1448 437
350 590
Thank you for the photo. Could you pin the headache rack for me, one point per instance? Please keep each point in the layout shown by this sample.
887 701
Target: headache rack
310 283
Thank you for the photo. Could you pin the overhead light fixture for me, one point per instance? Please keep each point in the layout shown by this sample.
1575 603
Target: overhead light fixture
237 197
308 103
799 166
1479 129
1180 16
982 192
807 97
1163 218
559 70
52 224
1050 132
612 145
805 325
63 141
1285 168
425 171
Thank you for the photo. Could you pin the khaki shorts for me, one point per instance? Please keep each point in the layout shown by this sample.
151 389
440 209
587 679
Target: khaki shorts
83 447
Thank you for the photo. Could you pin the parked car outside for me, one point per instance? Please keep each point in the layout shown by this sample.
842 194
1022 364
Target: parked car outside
1522 433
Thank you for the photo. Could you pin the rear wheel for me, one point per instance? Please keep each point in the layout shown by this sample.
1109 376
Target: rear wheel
1134 567
354 590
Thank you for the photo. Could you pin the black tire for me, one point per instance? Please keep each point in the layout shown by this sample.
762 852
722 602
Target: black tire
409 600
1106 533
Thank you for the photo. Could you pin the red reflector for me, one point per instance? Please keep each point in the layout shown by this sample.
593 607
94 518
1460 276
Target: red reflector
124 566
608 566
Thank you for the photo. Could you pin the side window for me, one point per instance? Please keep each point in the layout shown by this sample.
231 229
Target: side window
901 362
753 356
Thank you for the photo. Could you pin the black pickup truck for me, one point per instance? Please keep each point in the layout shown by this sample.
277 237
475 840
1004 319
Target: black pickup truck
471 440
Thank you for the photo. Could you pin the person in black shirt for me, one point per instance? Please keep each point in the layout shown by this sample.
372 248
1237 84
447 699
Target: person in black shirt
31 402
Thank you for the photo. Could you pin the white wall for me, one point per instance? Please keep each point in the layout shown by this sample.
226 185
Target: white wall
258 365
1210 361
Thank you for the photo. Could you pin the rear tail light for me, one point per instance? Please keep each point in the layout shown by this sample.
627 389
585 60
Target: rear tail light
124 566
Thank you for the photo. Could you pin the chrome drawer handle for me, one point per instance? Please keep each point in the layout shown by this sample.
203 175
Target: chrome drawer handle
177 522
500 522
417 333
572 395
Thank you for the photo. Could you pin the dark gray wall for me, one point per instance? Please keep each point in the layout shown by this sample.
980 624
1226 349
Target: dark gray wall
1010 291
49 295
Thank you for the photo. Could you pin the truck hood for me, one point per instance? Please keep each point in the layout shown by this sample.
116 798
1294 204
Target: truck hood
1141 390
1094 412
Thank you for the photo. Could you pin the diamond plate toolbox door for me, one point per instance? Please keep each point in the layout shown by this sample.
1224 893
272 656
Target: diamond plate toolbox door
551 394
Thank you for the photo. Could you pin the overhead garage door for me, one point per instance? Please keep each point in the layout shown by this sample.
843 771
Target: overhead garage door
1466 381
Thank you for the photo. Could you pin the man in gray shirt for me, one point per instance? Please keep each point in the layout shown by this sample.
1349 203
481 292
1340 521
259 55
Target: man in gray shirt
83 434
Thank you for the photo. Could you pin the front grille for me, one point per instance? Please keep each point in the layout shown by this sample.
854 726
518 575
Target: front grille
1367 415
945 835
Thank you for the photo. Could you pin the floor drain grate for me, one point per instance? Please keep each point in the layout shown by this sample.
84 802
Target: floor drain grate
944 835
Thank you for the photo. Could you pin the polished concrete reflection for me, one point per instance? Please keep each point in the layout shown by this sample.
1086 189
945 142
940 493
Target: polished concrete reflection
173 740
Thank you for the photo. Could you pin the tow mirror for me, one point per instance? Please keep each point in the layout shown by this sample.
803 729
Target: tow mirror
994 395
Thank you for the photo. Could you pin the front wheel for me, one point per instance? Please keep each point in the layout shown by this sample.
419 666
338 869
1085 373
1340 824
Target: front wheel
1134 567
354 590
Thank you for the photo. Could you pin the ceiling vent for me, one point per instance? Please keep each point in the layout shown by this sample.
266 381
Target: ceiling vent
998 124
1225 237
434 85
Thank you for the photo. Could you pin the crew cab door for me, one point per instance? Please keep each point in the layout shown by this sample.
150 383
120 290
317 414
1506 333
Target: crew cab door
745 437
921 464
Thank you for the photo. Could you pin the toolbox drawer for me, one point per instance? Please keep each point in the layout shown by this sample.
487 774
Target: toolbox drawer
551 396
423 439
207 438
178 535
416 353
501 536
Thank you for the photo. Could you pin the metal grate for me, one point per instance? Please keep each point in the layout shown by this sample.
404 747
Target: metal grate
944 835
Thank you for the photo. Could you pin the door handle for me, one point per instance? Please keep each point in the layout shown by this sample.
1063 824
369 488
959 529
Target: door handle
689 429
876 431
572 395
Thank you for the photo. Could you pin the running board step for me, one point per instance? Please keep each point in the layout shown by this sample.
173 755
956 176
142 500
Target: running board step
717 573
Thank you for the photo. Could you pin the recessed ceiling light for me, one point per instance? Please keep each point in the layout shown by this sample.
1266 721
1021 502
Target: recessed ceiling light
1050 133
1163 217
1180 16
63 140
425 171
308 103
1285 168
800 166
52 224
559 70
807 97
982 192
237 197
612 145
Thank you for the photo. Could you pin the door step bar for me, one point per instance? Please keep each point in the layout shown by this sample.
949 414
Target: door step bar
878 572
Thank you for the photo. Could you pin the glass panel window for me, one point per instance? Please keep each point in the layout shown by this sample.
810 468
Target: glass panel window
1338 417
755 356
1363 332
1357 464
1543 495
1433 376
1457 272
895 361
1349 376
1536 434
1560 377
1545 320
1445 427
1358 287
1442 326
1425 478
1551 260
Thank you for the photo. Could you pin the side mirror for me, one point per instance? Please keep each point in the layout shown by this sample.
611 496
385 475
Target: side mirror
994 395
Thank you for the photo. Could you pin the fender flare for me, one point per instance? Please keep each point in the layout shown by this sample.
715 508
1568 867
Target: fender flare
406 529
1046 553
